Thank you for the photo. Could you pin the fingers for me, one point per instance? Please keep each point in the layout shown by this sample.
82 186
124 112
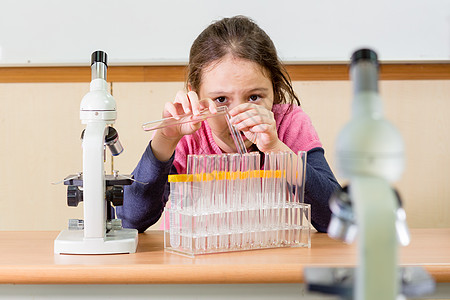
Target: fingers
241 108
191 103
194 102
188 104
251 117
261 128
197 105
184 100
183 104
209 104
251 136
172 110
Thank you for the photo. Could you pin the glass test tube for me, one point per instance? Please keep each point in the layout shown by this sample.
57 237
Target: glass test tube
234 197
243 208
189 220
222 202
280 196
210 202
299 214
256 200
250 204
290 197
237 138
268 194
301 175
202 202
280 209
174 214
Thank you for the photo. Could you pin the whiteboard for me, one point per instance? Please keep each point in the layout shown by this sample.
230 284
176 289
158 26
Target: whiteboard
149 32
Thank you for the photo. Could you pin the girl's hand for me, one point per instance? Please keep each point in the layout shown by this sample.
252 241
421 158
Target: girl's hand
258 125
184 104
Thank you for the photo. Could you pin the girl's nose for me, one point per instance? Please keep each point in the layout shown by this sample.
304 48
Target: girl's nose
239 101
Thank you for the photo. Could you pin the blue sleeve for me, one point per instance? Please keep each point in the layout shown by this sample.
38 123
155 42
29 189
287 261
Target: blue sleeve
143 204
319 185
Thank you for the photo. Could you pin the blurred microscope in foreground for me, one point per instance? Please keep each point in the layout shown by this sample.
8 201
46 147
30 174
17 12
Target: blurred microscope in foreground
99 232
370 153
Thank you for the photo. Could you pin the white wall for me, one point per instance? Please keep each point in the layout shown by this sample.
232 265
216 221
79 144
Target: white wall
54 32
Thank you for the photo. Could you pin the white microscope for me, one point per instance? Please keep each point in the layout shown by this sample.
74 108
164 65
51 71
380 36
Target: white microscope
370 153
98 233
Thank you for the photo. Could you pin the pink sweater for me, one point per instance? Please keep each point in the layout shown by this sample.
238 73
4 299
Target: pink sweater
294 128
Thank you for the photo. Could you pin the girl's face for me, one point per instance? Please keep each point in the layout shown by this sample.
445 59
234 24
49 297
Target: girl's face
231 82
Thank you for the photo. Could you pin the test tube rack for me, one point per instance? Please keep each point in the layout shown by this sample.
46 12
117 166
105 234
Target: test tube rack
226 203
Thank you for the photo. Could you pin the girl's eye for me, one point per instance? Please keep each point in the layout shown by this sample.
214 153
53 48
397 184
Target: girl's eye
254 98
221 100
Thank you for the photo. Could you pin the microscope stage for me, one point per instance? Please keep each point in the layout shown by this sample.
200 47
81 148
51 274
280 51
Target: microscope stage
110 180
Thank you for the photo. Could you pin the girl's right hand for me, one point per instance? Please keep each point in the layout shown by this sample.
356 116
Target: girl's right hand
184 104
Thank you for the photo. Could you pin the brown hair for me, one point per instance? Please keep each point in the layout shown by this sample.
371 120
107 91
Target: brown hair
242 38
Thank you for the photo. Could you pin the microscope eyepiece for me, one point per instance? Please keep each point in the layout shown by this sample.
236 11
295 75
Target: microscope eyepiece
364 54
99 56
99 65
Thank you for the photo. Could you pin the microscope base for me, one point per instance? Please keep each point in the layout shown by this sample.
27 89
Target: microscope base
115 241
415 281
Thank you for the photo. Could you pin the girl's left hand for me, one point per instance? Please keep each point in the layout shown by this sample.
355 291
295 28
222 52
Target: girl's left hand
258 125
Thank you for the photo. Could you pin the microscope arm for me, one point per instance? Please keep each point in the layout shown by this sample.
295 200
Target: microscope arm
94 183
375 206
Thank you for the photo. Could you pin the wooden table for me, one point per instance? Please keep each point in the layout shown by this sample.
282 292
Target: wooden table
28 258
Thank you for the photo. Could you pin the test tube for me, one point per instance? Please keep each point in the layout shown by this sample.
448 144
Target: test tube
256 200
251 202
202 214
268 197
299 213
222 203
279 210
301 176
246 192
194 193
234 198
174 214
290 197
279 218
237 138
186 214
209 201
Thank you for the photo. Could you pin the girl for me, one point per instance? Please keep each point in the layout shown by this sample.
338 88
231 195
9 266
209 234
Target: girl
233 62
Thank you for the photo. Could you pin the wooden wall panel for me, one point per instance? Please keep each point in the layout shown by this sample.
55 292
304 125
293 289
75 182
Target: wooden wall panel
305 72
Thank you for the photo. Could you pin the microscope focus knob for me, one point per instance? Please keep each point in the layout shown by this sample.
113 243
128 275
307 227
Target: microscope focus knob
74 195
114 194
